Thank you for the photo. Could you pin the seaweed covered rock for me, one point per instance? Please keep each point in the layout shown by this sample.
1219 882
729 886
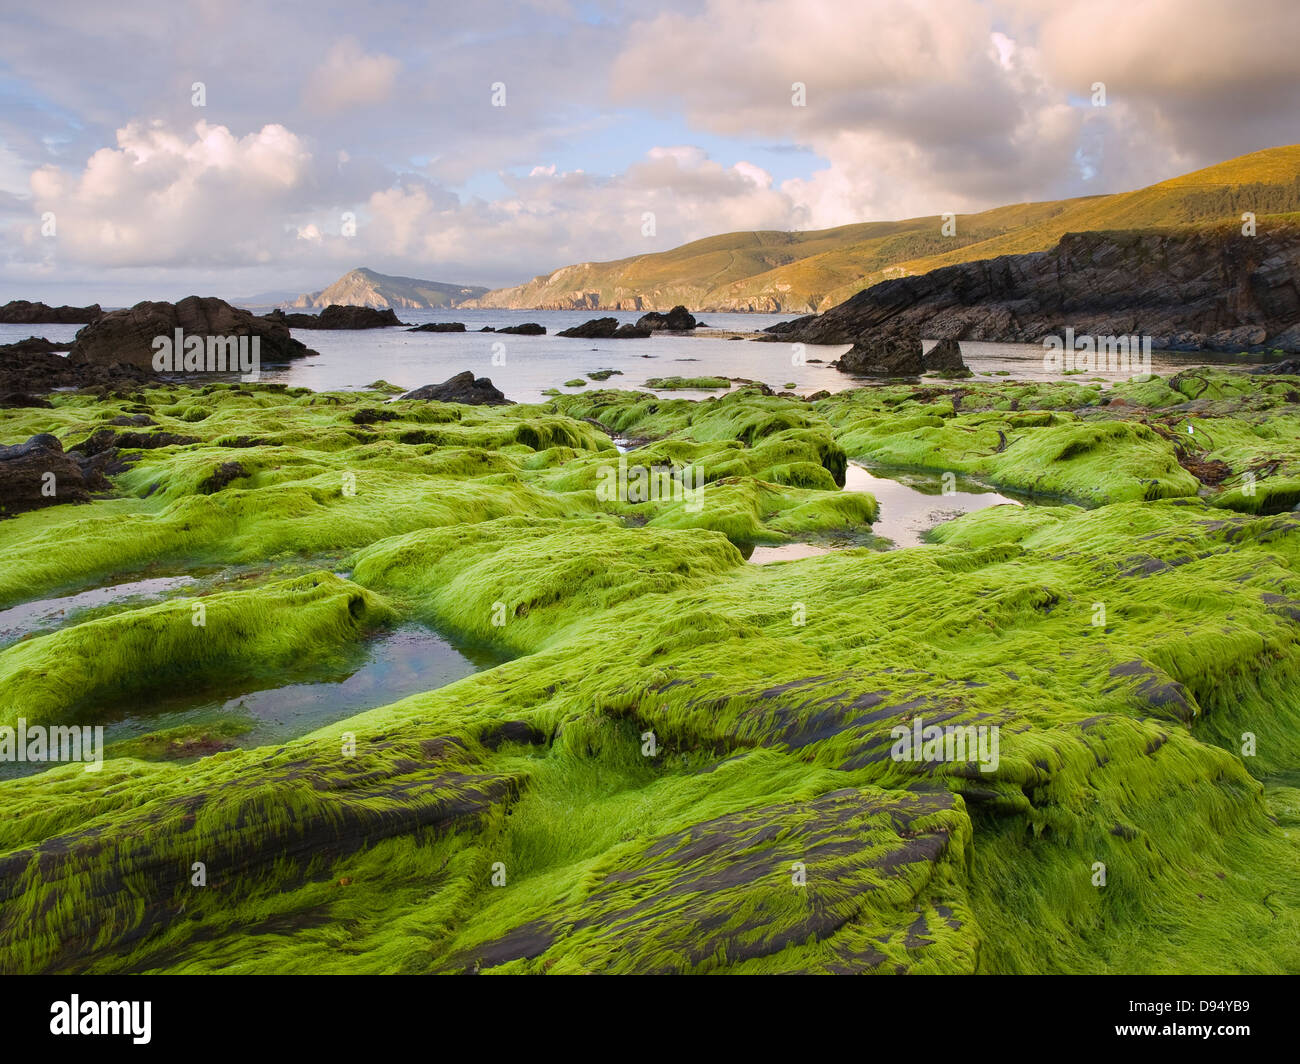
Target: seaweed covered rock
465 388
127 336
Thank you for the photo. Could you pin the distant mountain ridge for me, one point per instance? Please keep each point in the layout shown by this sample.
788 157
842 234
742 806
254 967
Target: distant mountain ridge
805 272
364 287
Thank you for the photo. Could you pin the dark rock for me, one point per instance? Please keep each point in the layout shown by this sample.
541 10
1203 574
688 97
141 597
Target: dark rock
36 474
679 319
528 328
369 415
945 357
885 355
34 345
630 332
462 388
1288 367
439 326
222 476
487 328
126 336
595 329
337 316
21 312
1211 289
16 400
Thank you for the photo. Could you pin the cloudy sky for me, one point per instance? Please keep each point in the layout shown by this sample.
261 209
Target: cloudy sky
385 115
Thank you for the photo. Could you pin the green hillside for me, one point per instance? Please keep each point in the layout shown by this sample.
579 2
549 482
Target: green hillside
807 271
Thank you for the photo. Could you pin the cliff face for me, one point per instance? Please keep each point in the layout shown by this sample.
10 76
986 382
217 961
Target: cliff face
366 288
1213 290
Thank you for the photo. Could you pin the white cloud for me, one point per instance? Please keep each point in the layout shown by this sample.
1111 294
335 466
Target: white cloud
349 77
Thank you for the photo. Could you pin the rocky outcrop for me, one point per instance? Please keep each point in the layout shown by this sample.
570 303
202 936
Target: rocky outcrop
892 355
679 319
127 336
23 373
336 316
33 345
21 312
439 327
606 329
528 328
462 388
1211 289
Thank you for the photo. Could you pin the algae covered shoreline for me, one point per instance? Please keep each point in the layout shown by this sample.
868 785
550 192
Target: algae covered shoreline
670 760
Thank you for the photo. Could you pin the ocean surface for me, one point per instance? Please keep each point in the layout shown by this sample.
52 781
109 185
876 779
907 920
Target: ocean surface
526 366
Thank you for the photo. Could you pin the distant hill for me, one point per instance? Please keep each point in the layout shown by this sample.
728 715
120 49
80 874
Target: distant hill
812 271
365 288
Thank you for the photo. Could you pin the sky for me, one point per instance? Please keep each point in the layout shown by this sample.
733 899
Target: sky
220 147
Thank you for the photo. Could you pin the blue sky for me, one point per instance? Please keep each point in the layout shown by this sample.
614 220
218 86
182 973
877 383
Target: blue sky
114 186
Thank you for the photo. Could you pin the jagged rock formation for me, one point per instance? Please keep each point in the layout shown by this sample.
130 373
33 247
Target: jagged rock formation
605 329
127 336
22 312
462 388
679 319
1211 289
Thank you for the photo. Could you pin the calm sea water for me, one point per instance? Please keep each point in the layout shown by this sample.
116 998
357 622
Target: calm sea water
526 366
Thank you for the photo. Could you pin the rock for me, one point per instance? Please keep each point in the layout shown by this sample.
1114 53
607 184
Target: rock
126 336
44 371
17 400
336 316
34 345
945 357
439 327
886 355
462 388
1290 366
1207 289
595 329
528 328
21 312
679 319
36 474
630 332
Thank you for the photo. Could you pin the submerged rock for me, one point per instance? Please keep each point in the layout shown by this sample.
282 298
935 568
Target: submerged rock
462 388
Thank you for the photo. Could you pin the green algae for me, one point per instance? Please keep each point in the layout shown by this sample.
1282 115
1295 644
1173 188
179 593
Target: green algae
764 826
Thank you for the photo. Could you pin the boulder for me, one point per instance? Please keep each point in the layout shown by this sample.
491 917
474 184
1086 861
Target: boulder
945 357
36 474
462 388
127 336
886 355
21 312
679 319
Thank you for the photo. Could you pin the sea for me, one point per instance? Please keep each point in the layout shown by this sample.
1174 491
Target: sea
525 368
